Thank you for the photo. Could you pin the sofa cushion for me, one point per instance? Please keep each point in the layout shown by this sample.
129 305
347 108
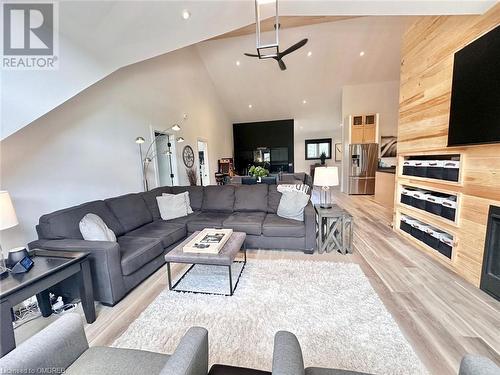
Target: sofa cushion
218 198
130 210
206 220
99 360
250 198
185 219
248 222
169 233
195 195
137 251
275 226
273 199
65 223
150 199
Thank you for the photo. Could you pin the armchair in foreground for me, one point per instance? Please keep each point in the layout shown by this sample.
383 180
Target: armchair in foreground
63 347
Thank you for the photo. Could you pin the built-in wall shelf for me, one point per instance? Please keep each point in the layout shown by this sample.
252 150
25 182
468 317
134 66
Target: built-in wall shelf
436 241
440 168
436 204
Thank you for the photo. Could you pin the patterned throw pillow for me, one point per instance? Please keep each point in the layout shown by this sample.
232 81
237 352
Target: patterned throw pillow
293 187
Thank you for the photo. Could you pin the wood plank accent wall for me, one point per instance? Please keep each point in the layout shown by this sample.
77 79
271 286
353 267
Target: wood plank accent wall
426 76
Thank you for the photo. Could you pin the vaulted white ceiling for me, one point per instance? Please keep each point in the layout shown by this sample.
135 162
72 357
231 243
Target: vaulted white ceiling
98 37
335 61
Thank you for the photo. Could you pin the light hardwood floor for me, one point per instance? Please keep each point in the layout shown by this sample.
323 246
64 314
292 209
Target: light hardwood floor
441 315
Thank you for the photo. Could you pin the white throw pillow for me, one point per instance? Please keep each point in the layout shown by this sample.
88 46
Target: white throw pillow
172 206
93 228
188 201
292 204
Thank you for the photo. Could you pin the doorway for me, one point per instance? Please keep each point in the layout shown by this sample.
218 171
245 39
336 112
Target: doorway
203 163
165 161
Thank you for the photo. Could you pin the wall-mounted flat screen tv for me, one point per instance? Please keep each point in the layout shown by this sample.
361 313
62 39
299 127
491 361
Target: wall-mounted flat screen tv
475 93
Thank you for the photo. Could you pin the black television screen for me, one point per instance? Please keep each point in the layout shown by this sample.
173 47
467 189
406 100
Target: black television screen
475 93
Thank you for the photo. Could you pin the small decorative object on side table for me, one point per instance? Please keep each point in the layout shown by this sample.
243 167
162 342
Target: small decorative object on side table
326 177
334 229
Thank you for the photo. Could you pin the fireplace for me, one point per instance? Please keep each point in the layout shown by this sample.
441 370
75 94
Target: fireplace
490 277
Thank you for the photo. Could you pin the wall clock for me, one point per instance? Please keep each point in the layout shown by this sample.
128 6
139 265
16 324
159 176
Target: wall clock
188 156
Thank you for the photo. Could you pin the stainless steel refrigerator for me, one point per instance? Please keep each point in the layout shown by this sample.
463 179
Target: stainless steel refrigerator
363 159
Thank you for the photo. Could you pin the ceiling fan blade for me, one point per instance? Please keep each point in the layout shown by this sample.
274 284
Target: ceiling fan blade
251 55
281 63
295 47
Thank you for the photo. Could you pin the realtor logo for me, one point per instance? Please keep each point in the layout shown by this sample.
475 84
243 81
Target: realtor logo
29 36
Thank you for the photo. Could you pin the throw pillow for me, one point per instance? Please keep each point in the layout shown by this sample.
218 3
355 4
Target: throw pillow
172 206
188 201
93 228
292 204
293 187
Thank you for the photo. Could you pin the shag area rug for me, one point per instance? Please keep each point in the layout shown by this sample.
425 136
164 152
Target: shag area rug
331 307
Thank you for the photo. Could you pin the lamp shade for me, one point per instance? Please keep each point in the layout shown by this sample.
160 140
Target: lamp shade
8 218
326 176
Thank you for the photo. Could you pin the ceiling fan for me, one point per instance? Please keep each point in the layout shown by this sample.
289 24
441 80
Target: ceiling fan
279 55
272 49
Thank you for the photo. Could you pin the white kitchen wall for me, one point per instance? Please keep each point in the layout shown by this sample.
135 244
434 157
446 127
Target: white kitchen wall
85 149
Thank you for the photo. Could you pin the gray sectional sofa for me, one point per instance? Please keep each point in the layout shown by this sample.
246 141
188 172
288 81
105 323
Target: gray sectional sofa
143 237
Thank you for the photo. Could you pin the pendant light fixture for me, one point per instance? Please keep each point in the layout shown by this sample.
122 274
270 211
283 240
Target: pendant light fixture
270 49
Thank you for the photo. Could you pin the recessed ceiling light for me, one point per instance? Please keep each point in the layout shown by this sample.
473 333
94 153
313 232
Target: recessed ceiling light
238 63
362 53
186 14
309 54
176 127
304 101
250 106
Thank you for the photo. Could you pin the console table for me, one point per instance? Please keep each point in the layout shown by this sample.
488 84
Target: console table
334 229
50 268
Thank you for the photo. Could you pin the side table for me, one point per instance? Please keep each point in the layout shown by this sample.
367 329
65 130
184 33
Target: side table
334 229
50 268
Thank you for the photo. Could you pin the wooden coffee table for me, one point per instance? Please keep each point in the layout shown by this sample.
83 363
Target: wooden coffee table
225 258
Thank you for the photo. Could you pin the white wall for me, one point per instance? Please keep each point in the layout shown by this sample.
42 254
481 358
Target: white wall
320 126
376 97
85 149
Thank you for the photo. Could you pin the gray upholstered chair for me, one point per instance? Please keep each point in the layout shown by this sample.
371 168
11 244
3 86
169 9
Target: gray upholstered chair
288 360
63 347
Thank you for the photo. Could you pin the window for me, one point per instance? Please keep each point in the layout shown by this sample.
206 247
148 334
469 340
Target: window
315 147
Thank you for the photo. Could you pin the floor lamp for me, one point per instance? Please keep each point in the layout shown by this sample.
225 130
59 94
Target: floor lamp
148 157
326 177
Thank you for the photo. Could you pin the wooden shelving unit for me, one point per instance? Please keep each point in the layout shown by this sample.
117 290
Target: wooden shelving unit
454 188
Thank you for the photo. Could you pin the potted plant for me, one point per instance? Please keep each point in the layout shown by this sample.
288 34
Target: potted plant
258 172
192 176
322 157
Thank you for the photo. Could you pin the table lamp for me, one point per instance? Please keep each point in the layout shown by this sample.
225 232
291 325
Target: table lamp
326 177
8 219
